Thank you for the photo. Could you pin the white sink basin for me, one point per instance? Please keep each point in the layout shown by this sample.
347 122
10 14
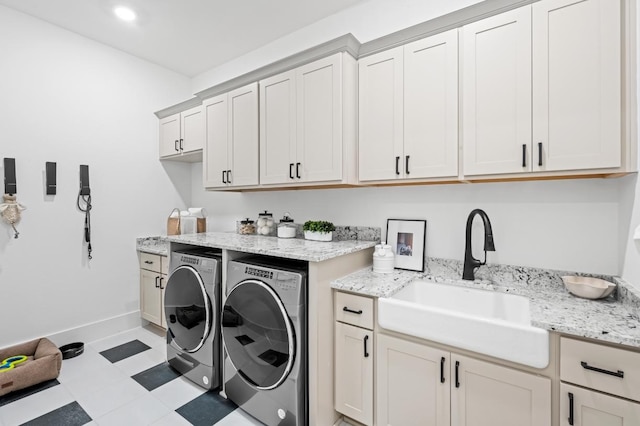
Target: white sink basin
487 322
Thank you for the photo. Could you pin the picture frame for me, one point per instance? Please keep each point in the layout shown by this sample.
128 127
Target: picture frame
407 238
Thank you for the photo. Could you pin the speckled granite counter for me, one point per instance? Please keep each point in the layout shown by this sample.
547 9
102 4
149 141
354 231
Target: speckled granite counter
153 245
311 251
614 319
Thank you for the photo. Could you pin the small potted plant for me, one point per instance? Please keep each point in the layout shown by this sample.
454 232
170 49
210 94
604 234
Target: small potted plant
318 230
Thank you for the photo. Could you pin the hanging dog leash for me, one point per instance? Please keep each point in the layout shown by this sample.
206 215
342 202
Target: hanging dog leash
85 196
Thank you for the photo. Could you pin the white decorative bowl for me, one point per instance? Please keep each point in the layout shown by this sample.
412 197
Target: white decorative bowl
588 287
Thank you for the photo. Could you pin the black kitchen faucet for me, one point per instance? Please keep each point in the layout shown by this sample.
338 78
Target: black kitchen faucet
470 262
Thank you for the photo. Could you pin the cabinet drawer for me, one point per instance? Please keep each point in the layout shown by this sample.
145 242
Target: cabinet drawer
355 310
150 262
604 368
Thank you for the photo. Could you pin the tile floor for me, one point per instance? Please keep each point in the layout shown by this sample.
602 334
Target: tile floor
121 380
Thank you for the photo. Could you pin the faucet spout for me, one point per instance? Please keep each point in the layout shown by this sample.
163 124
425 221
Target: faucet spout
470 262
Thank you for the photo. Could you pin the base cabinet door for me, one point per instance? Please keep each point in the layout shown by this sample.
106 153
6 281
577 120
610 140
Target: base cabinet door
583 407
412 384
485 394
354 373
150 296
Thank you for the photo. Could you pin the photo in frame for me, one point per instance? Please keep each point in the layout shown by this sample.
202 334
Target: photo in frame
407 240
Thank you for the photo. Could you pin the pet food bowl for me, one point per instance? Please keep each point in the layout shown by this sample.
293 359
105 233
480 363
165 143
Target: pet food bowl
588 287
72 350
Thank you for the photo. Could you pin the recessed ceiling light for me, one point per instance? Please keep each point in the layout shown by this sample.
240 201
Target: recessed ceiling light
125 13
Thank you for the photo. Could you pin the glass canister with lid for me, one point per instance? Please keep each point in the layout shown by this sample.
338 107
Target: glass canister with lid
286 227
265 224
246 227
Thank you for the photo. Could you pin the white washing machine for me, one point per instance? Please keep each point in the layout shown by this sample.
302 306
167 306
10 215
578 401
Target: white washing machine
192 306
264 329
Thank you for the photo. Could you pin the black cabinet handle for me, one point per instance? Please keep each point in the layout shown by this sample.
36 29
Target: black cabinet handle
618 373
398 166
358 312
161 287
457 372
228 176
224 176
291 170
157 284
539 153
406 164
366 354
298 170
148 262
524 155
442 370
570 419
181 148
175 145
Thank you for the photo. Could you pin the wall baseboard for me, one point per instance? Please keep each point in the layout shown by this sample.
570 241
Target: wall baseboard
98 330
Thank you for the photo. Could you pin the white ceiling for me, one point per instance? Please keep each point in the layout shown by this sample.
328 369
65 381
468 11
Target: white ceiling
187 36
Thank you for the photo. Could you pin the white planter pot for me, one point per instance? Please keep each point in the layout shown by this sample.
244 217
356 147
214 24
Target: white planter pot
318 236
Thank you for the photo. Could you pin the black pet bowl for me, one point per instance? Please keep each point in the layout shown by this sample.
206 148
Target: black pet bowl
72 350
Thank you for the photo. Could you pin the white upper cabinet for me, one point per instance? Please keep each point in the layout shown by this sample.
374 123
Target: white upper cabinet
307 123
380 135
541 89
576 84
408 115
231 149
182 133
431 107
278 128
496 94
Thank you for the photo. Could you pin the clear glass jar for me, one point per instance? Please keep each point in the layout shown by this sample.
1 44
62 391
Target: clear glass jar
265 225
286 227
246 227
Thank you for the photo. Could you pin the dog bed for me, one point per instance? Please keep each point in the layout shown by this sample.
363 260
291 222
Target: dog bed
43 363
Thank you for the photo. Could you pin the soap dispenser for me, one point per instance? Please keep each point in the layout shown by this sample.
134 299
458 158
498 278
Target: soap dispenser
383 259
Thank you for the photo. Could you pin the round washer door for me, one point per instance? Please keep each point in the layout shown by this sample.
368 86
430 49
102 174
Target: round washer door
187 308
258 335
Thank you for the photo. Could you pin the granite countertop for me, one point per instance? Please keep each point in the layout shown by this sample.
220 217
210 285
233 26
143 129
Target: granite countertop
614 319
154 245
294 248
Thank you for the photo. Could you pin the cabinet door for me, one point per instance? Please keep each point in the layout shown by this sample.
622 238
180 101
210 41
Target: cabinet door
243 136
193 129
485 394
278 128
163 285
215 155
150 296
354 372
496 94
412 384
380 123
583 407
431 106
319 120
576 84
170 135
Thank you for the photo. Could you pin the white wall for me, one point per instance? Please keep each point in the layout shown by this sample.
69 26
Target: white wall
67 99
366 21
580 225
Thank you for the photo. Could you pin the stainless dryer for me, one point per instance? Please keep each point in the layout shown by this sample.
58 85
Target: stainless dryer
192 306
264 329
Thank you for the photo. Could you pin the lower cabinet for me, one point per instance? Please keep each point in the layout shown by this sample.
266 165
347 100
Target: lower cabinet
584 407
420 385
603 369
354 352
153 279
